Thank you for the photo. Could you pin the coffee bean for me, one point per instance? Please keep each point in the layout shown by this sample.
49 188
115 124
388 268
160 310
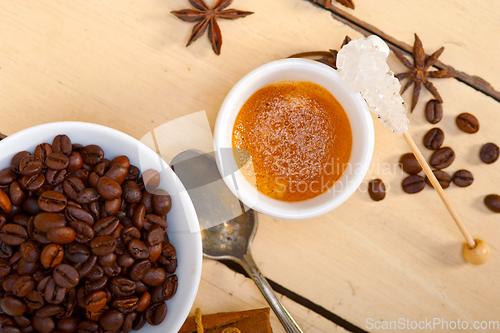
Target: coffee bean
170 286
78 214
66 276
33 183
376 189
16 161
133 172
117 173
42 151
72 186
409 164
106 226
4 267
413 184
139 322
155 219
57 161
492 201
52 202
138 249
443 178
5 250
467 123
155 277
83 231
121 286
162 203
489 153
49 310
52 255
139 269
128 322
62 144
107 261
30 165
88 326
55 177
156 313
13 234
434 111
46 221
125 304
102 245
108 188
16 194
442 158
463 178
7 176
77 253
43 325
34 300
82 174
30 251
87 266
12 306
434 139
75 161
61 235
131 192
95 301
23 286
68 325
144 301
87 195
5 203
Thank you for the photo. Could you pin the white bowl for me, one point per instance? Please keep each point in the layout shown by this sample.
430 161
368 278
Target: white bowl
361 125
183 228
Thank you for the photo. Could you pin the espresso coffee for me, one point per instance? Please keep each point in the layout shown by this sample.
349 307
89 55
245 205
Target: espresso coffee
298 138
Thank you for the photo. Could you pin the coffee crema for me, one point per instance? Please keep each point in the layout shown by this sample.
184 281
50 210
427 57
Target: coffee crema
297 137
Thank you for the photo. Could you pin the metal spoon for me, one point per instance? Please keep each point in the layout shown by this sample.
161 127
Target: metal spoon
227 226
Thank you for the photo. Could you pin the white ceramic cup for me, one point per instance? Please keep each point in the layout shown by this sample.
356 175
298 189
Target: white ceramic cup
362 137
183 228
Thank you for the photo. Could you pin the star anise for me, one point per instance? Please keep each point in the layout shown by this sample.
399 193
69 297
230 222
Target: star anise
328 3
206 17
327 58
419 71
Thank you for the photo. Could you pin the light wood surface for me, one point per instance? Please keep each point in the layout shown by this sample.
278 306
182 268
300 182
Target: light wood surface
123 64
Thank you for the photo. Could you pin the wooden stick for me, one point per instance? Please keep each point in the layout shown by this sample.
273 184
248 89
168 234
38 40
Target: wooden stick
439 189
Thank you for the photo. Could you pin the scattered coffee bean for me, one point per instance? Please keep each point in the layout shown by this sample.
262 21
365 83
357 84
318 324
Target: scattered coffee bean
410 164
463 178
443 178
413 184
434 111
434 139
492 201
467 123
442 158
376 189
489 153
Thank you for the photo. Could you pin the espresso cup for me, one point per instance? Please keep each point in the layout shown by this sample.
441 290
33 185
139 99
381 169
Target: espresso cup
355 108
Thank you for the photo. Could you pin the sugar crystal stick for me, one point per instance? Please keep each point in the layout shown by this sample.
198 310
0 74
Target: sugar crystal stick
362 64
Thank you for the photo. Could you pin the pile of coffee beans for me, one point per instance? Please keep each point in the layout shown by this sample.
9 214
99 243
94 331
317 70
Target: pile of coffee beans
83 246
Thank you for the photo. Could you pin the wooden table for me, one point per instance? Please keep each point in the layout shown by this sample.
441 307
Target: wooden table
123 64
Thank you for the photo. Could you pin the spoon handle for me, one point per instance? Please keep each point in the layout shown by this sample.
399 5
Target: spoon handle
285 318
